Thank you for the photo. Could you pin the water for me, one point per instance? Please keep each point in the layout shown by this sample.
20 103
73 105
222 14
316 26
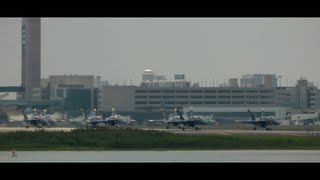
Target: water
163 156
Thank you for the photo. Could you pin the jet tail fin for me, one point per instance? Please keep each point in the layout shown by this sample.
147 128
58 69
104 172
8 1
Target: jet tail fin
180 115
94 112
35 113
24 115
251 114
164 114
85 116
44 112
113 111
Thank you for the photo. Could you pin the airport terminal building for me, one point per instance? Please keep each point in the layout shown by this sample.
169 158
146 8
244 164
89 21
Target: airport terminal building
155 92
227 102
224 102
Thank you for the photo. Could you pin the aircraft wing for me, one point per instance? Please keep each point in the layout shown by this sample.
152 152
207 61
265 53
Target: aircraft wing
92 121
151 120
130 121
243 121
110 121
162 121
254 122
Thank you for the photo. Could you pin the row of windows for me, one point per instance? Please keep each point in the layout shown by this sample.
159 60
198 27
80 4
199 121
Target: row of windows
205 91
206 102
157 102
208 97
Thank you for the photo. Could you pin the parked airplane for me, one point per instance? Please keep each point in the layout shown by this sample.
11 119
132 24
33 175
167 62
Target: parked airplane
50 119
191 121
180 121
117 120
263 121
174 120
93 120
207 118
35 120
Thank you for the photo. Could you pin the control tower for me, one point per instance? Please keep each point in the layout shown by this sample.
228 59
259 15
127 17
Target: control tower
31 58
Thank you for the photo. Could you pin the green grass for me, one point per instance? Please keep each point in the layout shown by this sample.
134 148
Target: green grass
135 139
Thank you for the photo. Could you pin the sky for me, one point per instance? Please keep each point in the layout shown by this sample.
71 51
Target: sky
206 50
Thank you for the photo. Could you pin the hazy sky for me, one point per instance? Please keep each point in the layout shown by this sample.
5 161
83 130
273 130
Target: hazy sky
207 50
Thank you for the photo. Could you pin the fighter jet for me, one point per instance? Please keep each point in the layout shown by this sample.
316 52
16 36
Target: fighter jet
117 120
35 120
263 121
180 121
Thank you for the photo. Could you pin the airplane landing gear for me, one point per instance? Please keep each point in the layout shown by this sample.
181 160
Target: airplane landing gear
183 128
254 128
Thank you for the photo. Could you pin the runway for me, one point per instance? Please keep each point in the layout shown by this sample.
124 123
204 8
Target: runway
224 132
227 132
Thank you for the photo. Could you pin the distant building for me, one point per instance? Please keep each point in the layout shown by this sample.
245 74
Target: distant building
150 79
104 83
77 90
179 77
31 58
119 97
259 80
44 89
147 75
286 96
195 85
224 85
269 81
233 82
306 95
226 102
